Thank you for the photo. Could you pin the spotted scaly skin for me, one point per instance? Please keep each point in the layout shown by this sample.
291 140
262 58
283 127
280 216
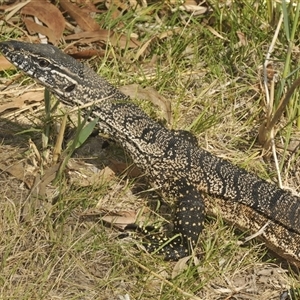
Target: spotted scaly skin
172 161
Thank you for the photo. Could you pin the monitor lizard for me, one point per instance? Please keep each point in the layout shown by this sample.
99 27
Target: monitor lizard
171 159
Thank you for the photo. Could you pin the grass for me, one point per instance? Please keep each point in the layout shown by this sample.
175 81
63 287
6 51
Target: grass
213 76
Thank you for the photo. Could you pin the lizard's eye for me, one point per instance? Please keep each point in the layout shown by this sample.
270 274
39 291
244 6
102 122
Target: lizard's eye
70 88
43 63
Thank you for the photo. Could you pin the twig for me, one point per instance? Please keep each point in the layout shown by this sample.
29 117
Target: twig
269 102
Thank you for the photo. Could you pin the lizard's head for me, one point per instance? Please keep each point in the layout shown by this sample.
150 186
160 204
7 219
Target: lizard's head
54 69
70 80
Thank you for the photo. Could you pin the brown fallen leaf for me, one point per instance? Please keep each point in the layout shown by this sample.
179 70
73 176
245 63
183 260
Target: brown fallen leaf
42 182
82 18
195 9
33 28
12 10
120 40
12 162
88 4
121 219
120 167
83 174
125 5
18 171
135 91
160 36
49 15
117 4
88 53
180 266
183 264
41 195
242 38
5 64
190 2
23 100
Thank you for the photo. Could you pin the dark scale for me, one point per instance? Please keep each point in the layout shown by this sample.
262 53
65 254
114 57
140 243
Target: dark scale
172 160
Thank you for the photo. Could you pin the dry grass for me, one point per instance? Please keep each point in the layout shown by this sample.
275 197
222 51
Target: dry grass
57 247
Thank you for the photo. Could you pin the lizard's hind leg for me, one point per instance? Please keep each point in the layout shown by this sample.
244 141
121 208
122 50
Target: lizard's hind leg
188 224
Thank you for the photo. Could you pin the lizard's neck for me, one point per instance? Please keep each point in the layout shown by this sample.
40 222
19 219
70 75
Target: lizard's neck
137 133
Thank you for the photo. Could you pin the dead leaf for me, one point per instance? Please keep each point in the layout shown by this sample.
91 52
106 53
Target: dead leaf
121 219
120 40
18 171
242 38
160 36
49 15
13 9
195 9
84 174
124 5
5 64
144 47
88 53
180 266
88 5
135 91
190 2
48 176
33 28
19 168
59 139
215 33
23 100
120 167
82 18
